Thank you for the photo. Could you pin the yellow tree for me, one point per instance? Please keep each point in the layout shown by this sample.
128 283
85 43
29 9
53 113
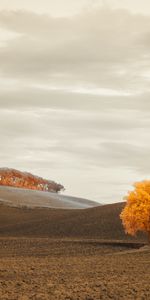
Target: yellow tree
136 214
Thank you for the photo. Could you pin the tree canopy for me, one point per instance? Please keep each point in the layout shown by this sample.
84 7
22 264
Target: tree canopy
136 214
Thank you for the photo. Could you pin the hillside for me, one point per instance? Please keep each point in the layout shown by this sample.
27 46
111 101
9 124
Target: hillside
99 222
18 197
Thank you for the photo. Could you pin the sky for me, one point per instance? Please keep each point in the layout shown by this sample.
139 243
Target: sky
75 93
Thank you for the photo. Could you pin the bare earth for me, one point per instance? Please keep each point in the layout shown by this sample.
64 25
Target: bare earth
44 268
70 254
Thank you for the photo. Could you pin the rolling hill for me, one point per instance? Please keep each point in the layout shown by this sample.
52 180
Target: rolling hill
100 222
18 197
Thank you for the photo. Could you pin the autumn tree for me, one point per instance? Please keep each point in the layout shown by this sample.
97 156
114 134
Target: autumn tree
15 178
136 214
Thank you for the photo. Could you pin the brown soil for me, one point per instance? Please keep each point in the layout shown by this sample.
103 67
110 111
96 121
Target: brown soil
56 254
101 222
44 268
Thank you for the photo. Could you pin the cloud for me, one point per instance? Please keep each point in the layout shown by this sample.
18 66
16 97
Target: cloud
74 99
101 47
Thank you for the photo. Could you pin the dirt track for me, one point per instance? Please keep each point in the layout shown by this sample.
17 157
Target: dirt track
52 269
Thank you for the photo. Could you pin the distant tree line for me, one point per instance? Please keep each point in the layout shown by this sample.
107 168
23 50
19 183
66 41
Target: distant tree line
15 178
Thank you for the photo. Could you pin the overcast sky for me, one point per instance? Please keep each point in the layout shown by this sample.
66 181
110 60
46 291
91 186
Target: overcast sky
75 93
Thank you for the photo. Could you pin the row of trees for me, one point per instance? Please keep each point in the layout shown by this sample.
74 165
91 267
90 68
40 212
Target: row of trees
15 178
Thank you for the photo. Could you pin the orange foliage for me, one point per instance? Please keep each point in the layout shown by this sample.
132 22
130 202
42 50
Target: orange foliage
15 178
136 214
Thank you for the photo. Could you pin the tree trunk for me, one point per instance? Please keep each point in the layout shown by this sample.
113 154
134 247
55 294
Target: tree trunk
148 234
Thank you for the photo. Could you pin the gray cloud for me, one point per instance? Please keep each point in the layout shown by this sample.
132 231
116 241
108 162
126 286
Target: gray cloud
96 47
74 99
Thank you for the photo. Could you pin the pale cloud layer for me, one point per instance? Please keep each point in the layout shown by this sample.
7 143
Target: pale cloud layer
74 96
71 7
